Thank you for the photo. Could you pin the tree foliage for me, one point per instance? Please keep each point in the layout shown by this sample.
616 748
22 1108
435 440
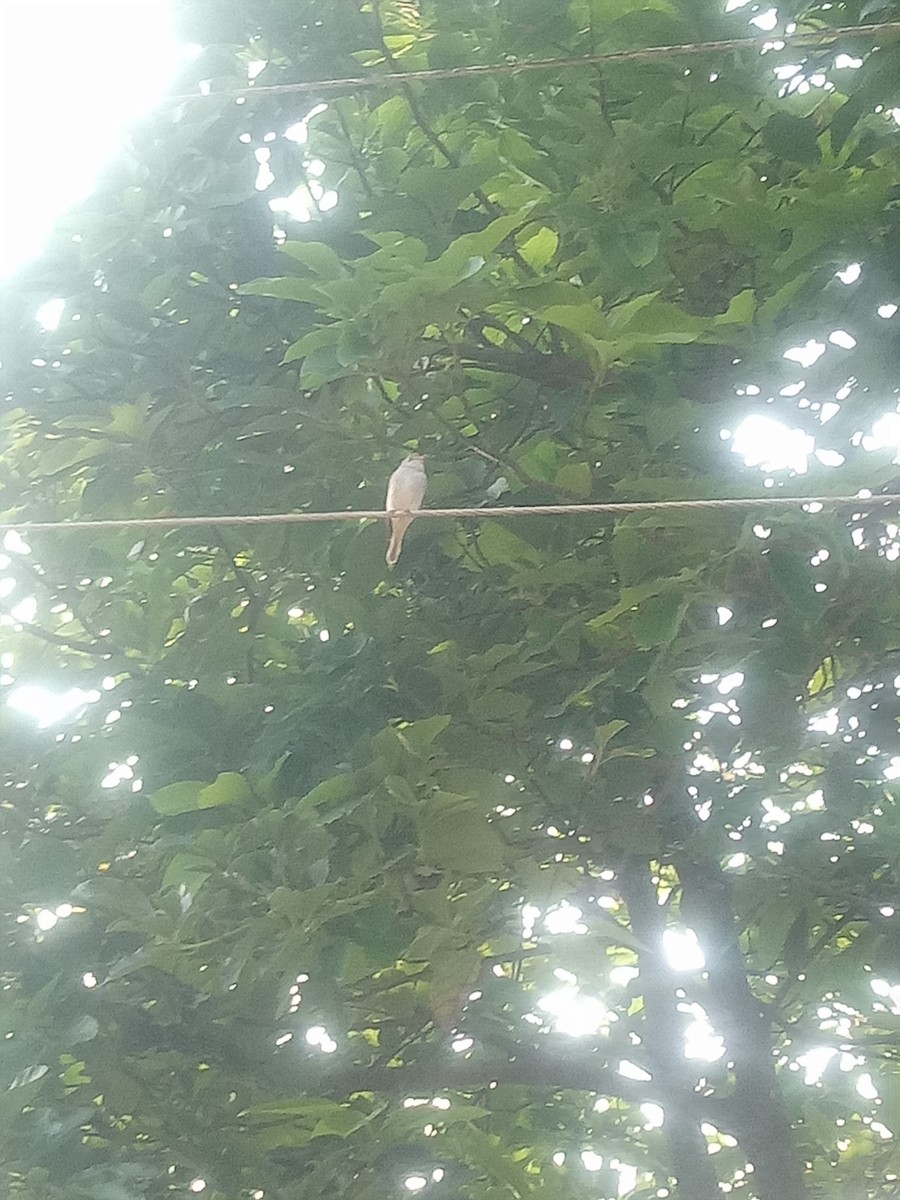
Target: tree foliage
341 860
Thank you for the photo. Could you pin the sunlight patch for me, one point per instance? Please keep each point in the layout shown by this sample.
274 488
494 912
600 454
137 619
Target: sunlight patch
682 950
885 433
48 708
806 355
764 442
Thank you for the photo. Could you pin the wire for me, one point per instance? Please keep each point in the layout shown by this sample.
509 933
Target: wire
647 54
815 503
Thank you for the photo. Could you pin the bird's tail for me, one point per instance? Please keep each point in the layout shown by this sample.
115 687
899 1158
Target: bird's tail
395 545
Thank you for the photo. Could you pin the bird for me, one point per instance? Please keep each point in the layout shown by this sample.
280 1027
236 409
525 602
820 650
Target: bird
406 490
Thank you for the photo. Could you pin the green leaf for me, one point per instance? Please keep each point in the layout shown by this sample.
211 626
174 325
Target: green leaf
500 705
666 421
316 339
661 323
452 971
47 865
124 902
458 256
540 248
658 619
193 795
794 579
286 288
824 677
319 257
575 478
844 120
501 547
624 313
776 304
578 318
455 836
335 790
641 246
794 138
606 733
631 598
340 1122
74 1075
186 870
540 459
443 188
741 309
267 787
419 736
70 452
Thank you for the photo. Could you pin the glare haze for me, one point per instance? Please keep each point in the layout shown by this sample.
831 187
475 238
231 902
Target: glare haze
73 73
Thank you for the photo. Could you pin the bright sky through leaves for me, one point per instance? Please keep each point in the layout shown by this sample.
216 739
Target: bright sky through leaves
73 73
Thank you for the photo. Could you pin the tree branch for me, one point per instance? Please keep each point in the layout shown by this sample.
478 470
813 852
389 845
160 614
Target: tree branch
493 210
664 1041
757 1113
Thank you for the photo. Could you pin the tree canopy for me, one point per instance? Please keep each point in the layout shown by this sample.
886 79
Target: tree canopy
561 860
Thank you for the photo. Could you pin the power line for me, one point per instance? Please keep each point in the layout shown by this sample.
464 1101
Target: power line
817 37
814 503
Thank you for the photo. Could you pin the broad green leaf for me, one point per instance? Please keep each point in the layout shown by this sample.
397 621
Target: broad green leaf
666 421
622 314
539 249
75 1076
578 318
331 791
605 733
501 547
632 597
658 322
420 735
657 620
341 1121
458 837
641 246
319 257
791 137
576 478
267 787
193 795
443 188
740 309
500 705
189 871
125 902
316 339
824 678
456 259
286 288
793 580
540 459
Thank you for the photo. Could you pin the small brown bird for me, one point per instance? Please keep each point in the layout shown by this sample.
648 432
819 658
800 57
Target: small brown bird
406 490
